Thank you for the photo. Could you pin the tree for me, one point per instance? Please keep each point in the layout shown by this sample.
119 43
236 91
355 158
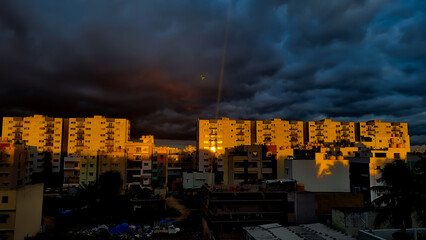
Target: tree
400 195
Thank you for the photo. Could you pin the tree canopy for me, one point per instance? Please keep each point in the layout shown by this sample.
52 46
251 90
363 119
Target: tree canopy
402 195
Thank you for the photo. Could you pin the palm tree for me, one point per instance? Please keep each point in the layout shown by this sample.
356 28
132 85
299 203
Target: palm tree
399 196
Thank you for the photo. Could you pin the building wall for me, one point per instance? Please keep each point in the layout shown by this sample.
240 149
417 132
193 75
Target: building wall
376 134
139 162
40 131
97 133
13 166
320 176
329 131
196 180
215 135
23 210
257 160
113 161
72 165
29 206
88 166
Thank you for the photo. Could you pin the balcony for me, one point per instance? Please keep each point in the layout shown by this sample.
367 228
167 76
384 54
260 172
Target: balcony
79 126
49 131
50 125
293 134
48 138
239 127
240 140
240 133
80 131
18 125
110 132
212 127
110 126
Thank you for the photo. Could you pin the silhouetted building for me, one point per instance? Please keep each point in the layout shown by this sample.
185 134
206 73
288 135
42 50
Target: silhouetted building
228 208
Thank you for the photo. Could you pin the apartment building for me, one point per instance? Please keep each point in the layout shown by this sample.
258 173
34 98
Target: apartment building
39 131
282 133
113 161
228 208
376 134
215 135
139 162
21 212
159 167
72 166
250 163
329 131
97 133
88 166
14 171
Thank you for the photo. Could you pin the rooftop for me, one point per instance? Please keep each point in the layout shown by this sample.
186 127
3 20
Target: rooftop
315 231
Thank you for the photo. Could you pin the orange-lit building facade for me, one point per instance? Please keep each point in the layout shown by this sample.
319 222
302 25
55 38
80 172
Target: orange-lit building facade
44 133
97 133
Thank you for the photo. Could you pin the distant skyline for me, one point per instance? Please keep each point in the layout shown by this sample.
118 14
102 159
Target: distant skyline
143 60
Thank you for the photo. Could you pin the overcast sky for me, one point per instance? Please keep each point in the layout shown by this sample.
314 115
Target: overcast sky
142 60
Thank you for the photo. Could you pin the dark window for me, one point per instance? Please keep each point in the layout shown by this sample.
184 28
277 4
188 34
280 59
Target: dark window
381 155
4 199
3 218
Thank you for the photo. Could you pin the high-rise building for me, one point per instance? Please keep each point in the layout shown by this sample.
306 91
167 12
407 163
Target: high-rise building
329 131
39 131
215 135
279 132
97 133
376 134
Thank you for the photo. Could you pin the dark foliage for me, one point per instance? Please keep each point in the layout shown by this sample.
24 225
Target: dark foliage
402 194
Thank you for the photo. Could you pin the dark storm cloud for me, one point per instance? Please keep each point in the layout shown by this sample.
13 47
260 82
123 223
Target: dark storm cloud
347 60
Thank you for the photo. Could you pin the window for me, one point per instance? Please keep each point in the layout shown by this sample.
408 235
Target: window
396 155
380 155
92 165
4 199
91 174
3 218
